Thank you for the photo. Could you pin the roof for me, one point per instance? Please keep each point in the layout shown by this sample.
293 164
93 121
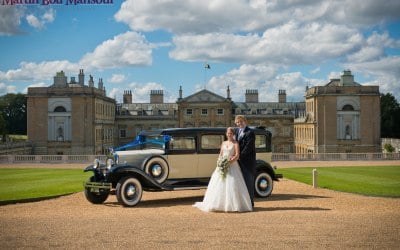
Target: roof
204 96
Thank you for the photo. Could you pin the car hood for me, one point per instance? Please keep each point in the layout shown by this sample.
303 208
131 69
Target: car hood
141 152
137 157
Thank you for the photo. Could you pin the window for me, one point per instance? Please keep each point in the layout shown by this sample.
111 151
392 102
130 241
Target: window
263 143
220 111
60 109
211 141
182 143
122 133
163 112
204 111
189 111
347 107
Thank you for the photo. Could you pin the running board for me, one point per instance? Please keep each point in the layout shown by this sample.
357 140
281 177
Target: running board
189 188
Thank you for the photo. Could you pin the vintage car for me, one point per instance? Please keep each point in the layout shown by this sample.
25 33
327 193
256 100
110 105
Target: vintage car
170 159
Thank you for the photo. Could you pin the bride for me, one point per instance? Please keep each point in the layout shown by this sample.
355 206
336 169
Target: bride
227 191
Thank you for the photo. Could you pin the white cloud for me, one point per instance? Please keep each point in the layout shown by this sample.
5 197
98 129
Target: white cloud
49 16
10 19
184 16
38 71
242 78
381 67
290 43
5 89
316 70
373 48
128 49
34 21
141 91
200 17
117 78
38 84
385 73
39 23
116 93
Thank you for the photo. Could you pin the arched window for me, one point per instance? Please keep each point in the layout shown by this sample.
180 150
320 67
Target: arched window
60 109
348 123
347 107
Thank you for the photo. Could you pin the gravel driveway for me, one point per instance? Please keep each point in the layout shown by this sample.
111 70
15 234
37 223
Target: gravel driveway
296 216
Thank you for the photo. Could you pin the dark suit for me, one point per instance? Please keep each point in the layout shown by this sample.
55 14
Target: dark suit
247 159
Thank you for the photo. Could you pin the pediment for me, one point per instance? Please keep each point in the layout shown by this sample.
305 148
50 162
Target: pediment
204 96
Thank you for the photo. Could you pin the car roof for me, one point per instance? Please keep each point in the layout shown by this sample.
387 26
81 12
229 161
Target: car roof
193 130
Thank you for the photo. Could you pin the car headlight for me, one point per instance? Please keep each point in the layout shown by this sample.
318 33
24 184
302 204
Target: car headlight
109 163
96 163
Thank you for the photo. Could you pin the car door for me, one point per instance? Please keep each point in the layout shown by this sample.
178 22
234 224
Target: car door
182 157
208 152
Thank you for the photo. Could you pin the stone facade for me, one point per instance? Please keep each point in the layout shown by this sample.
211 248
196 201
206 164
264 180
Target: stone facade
74 118
341 117
70 117
207 109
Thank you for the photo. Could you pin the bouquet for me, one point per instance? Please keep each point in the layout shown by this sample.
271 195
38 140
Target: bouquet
223 165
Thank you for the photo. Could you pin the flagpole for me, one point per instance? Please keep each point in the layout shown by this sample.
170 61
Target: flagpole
205 76
206 66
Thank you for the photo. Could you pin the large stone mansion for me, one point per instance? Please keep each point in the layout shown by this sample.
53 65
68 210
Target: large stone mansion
71 117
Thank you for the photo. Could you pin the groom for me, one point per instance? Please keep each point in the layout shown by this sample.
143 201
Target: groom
247 159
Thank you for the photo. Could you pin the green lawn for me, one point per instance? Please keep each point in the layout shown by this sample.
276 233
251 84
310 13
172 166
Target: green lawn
19 184
370 180
25 184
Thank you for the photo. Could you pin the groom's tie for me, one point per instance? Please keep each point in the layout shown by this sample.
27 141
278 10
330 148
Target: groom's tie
240 133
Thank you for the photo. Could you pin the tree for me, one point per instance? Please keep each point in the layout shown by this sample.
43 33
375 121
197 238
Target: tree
390 116
14 113
3 131
388 148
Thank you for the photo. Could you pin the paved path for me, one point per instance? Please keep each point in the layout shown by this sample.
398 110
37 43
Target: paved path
296 216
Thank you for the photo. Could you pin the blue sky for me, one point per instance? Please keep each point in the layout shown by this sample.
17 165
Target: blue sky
141 45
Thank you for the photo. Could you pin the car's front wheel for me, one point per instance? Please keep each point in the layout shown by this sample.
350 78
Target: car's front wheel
129 191
96 197
263 184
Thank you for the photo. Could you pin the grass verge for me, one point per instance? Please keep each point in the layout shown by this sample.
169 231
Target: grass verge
24 184
368 180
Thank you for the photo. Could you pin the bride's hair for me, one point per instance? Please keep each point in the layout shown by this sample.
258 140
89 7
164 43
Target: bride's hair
231 129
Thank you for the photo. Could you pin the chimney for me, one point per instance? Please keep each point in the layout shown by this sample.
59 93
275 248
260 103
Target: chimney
251 95
347 79
282 96
127 98
100 84
81 78
60 80
156 96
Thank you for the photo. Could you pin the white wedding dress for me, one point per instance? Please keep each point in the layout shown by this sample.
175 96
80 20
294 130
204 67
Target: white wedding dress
229 194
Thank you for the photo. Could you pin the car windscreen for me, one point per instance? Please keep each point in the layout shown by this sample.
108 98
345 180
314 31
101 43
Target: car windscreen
154 141
149 141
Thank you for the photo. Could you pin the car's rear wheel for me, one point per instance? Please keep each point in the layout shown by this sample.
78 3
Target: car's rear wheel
157 168
263 184
129 191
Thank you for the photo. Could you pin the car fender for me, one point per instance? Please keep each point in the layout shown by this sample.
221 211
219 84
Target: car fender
147 181
263 165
